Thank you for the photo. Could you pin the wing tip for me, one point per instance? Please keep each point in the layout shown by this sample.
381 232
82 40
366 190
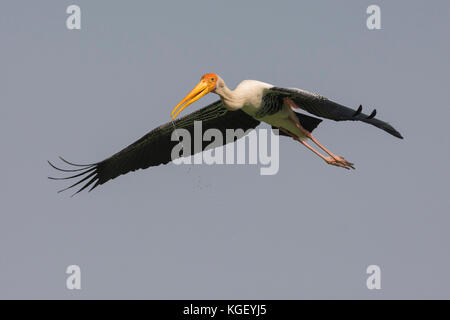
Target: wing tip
398 135
85 172
390 129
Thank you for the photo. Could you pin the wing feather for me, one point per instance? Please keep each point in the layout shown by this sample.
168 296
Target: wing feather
322 107
155 147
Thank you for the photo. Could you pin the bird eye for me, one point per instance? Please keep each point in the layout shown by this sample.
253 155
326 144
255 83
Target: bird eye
212 79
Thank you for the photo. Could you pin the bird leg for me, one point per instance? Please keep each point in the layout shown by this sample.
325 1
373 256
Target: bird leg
329 160
308 134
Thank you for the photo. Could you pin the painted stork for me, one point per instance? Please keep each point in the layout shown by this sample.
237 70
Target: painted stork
242 108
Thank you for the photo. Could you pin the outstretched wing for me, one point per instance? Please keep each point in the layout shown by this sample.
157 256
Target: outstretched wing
155 147
322 107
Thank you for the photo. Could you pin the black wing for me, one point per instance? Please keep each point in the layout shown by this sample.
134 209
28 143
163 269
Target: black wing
322 107
156 146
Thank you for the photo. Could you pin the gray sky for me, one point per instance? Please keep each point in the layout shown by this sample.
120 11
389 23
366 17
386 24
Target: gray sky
224 231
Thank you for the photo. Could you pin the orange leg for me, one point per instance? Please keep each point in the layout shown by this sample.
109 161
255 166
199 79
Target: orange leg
329 160
310 136
306 132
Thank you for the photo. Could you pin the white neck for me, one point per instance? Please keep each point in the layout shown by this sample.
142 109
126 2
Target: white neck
231 98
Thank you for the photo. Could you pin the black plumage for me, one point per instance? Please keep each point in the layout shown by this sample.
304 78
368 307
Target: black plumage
155 147
322 107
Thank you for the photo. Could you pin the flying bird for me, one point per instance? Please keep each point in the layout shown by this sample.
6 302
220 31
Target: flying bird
245 107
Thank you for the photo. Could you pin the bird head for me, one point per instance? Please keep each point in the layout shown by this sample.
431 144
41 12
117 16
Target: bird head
206 85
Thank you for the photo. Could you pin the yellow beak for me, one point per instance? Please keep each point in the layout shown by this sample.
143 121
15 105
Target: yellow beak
199 91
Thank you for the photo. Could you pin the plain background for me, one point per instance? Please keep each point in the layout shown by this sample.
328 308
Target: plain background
224 231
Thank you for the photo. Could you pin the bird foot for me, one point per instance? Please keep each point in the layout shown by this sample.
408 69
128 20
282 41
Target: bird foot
339 162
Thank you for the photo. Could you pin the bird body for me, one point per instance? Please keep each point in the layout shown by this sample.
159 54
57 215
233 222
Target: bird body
248 96
250 103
